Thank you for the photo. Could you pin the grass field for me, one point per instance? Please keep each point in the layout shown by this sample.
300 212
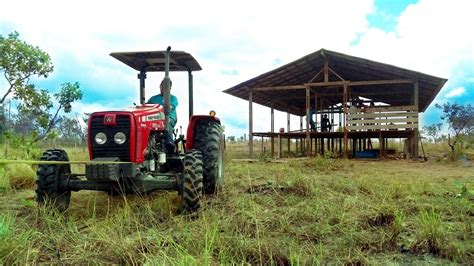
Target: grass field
307 211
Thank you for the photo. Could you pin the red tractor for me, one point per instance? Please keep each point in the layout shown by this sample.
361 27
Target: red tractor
130 152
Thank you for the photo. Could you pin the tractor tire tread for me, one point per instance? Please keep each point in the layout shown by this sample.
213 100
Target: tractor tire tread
208 135
47 180
193 181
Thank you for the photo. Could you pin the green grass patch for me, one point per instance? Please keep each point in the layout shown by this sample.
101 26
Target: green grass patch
306 211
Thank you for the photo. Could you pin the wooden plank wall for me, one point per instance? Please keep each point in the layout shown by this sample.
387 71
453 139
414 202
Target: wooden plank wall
382 118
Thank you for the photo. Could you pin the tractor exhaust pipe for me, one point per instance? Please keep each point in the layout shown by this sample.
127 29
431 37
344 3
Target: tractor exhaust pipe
166 92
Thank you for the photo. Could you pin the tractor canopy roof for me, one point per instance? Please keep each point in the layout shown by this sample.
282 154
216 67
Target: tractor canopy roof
155 61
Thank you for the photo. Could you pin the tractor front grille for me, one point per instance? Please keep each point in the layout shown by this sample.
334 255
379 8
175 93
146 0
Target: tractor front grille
110 148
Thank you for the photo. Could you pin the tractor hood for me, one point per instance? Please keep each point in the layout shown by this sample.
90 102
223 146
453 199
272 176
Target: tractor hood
145 109
139 110
142 113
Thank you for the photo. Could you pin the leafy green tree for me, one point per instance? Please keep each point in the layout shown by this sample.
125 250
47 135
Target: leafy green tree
19 61
433 131
46 120
39 120
460 119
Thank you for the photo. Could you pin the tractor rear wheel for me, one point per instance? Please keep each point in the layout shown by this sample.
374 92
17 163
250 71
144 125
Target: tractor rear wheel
209 139
51 182
192 182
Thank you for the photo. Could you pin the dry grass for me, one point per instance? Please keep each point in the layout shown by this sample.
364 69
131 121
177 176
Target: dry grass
310 211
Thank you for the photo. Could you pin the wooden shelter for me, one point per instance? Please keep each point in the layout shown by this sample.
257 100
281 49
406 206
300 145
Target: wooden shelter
361 99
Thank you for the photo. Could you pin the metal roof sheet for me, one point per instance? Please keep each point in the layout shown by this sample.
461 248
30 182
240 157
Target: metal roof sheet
155 60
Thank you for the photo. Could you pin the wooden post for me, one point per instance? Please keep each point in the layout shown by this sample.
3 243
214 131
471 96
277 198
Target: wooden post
316 111
326 71
302 146
344 103
321 108
308 140
316 148
250 125
322 146
354 146
272 128
332 119
380 145
416 136
288 131
296 146
279 145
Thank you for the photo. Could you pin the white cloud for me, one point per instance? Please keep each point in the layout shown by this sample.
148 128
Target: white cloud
455 92
248 36
430 37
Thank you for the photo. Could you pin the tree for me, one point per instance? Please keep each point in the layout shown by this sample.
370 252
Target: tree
40 118
460 119
433 131
72 129
69 129
19 61
68 94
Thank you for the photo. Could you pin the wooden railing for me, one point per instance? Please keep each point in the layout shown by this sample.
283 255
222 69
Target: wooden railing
382 118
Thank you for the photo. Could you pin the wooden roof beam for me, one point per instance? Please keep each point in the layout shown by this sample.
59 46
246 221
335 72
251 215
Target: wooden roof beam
295 97
315 76
279 88
336 83
337 75
380 82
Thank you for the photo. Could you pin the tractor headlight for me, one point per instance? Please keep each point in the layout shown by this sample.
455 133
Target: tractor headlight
120 138
100 138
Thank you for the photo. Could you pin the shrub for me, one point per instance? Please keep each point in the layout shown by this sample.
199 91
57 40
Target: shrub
20 176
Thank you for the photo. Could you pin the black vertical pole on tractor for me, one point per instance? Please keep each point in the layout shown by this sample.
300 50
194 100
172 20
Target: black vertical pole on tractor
166 91
142 77
190 83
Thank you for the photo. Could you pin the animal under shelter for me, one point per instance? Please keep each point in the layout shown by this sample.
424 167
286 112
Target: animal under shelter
343 101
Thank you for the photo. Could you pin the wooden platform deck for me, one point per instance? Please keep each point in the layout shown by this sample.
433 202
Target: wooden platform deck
338 135
334 142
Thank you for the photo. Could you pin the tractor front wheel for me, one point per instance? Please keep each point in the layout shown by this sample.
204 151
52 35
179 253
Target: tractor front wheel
51 182
192 182
210 140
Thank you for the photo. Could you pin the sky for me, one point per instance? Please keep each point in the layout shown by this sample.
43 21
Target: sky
237 40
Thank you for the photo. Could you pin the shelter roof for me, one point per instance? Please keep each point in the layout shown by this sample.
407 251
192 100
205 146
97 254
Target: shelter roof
284 87
155 60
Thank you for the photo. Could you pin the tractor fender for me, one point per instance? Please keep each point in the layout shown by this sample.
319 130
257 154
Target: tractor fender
192 125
